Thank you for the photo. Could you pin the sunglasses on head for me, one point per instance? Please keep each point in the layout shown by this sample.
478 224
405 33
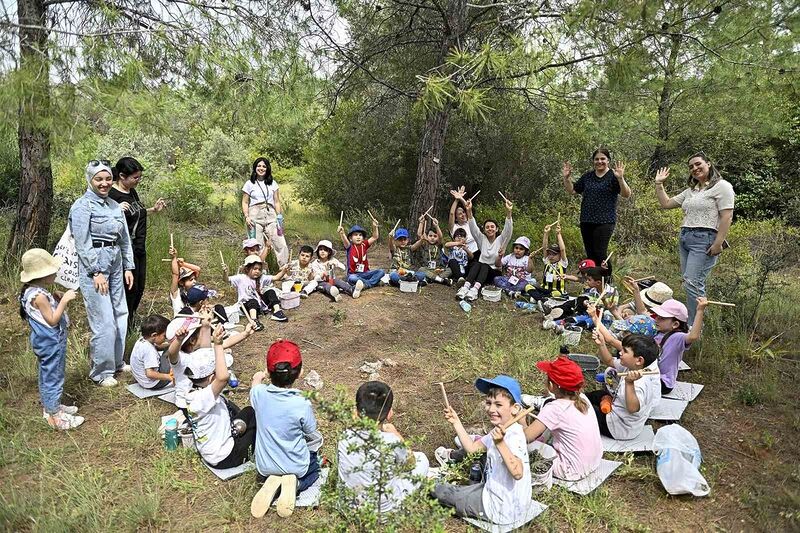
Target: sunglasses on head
98 162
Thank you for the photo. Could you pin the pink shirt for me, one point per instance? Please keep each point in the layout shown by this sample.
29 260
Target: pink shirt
576 438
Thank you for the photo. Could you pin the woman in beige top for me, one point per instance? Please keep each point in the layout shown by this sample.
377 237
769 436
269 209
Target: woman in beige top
707 205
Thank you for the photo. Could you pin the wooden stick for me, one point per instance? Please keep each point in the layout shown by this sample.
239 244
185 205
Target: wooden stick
246 314
644 373
166 260
222 318
609 257
539 249
311 343
519 417
341 218
444 394
395 226
724 304
171 241
179 315
222 259
643 279
503 197
429 216
428 211
475 195
371 216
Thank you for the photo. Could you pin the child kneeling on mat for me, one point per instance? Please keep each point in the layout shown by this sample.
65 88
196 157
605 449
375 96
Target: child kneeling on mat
504 495
149 360
636 395
360 468
223 433
287 440
570 419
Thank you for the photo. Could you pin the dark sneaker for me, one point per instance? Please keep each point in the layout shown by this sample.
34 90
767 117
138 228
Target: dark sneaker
258 326
279 316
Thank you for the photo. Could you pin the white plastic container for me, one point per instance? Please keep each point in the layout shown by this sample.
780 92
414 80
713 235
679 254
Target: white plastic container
408 286
491 294
290 300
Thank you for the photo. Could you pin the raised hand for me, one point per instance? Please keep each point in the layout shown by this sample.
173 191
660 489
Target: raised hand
450 415
219 333
159 205
566 170
662 175
435 222
497 434
633 375
619 169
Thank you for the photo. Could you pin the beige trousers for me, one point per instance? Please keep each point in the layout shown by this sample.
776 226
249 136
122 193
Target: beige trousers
264 218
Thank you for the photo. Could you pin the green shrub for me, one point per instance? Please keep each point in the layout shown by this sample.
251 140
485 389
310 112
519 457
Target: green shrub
188 193
223 158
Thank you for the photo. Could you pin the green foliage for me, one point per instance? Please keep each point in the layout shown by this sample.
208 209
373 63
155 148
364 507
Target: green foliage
223 158
188 193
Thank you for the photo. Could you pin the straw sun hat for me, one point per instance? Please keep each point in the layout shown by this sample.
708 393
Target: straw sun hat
37 264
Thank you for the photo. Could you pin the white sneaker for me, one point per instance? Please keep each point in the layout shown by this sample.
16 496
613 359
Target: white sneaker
548 324
385 279
462 292
124 368
62 421
335 293
68 409
472 294
534 401
303 295
108 382
442 455
358 288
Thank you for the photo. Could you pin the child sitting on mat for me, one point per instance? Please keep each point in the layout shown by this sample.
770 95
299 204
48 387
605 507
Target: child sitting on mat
570 419
674 337
359 470
636 394
401 259
431 250
555 266
324 270
643 299
223 434
46 315
149 361
256 292
287 439
356 245
184 277
504 495
492 245
301 274
517 267
459 255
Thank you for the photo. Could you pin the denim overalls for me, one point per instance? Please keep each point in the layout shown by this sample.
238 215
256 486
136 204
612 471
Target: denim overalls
103 245
49 344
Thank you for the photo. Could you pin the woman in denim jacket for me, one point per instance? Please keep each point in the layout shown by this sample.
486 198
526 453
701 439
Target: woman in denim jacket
105 262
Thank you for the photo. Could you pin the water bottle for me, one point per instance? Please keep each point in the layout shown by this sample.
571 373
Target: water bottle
233 381
171 434
251 232
605 404
465 305
475 474
279 225
238 427
526 306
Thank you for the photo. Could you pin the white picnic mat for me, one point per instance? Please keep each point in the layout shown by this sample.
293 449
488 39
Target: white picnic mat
229 473
140 392
592 481
668 410
642 443
169 397
534 510
683 366
684 391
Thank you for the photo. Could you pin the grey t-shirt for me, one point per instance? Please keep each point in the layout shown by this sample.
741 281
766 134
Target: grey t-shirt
701 207
143 356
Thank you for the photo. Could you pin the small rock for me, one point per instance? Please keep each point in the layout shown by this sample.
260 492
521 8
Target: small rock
389 362
313 380
374 377
371 368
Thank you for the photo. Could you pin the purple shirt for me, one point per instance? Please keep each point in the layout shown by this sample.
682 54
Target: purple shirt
671 355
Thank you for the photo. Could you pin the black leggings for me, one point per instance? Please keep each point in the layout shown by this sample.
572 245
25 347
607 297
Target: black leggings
244 443
595 240
456 269
269 296
481 273
594 398
134 296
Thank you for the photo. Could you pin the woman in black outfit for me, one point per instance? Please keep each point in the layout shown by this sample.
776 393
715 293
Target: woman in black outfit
127 175
600 188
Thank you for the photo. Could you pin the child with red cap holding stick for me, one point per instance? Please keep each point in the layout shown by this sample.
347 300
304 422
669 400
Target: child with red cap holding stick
570 419
287 439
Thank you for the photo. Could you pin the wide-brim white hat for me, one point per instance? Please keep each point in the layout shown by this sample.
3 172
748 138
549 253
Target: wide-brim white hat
202 362
38 263
327 244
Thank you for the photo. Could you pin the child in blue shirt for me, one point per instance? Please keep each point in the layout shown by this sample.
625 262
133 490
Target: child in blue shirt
458 255
287 439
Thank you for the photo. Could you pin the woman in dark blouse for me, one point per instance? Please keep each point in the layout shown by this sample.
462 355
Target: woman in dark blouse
127 175
600 188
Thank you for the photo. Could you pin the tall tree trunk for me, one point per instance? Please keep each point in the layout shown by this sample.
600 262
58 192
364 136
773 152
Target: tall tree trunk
660 157
32 223
434 132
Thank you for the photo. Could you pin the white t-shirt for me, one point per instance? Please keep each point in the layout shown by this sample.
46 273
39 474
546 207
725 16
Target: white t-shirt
624 425
177 302
260 192
320 269
504 498
472 246
517 267
246 286
182 382
701 207
143 356
490 250
211 424
576 438
359 472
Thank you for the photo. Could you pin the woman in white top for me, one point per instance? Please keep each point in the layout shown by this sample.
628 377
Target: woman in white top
261 206
458 219
491 245
707 205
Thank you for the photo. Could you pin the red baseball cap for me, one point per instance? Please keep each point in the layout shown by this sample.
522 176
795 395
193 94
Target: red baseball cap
586 263
283 351
563 372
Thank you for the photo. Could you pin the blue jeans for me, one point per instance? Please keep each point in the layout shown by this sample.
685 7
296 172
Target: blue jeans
394 277
502 282
50 347
371 278
696 264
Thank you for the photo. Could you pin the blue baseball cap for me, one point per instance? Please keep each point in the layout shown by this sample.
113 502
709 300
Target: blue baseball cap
196 295
505 382
401 233
357 229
